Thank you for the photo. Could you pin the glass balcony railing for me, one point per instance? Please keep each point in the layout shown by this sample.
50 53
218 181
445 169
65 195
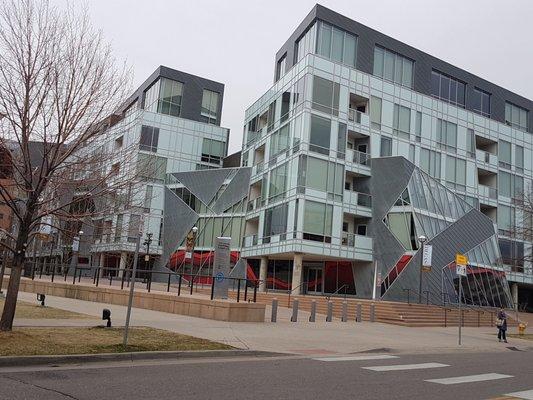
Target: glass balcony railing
254 204
487 191
354 115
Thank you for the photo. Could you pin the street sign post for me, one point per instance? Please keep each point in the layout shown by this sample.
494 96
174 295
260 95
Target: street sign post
460 269
221 267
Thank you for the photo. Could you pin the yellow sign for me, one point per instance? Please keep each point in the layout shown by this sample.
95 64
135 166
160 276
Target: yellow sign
461 259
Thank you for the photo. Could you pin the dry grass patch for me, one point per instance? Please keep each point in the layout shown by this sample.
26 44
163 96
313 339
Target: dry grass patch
28 310
50 341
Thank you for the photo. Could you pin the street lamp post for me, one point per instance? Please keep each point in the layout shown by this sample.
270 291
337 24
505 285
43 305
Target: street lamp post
147 243
194 231
75 250
422 239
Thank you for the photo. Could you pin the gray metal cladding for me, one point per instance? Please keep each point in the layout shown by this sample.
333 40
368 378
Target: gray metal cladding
364 279
236 190
204 184
239 270
178 220
368 38
463 235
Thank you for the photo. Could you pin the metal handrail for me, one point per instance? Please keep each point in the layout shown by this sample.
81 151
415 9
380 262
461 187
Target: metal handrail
289 291
345 286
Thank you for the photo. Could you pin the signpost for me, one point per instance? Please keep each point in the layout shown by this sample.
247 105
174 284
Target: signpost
427 255
221 267
460 269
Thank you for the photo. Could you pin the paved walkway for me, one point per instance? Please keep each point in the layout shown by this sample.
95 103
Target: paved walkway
301 337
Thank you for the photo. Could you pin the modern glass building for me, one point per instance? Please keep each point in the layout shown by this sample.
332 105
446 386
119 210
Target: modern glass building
349 103
169 125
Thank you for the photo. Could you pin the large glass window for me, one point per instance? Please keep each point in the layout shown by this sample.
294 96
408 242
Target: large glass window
481 102
275 221
430 162
279 141
505 218
519 158
170 94
418 127
319 136
325 95
386 147
447 88
210 106
456 172
401 121
517 117
151 168
470 143
505 184
318 218
322 175
306 44
278 182
213 151
149 138
375 112
281 66
336 44
447 135
504 154
393 67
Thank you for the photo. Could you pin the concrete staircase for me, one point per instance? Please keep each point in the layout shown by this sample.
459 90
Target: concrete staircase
412 315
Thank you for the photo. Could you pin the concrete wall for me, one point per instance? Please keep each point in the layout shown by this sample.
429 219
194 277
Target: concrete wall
219 310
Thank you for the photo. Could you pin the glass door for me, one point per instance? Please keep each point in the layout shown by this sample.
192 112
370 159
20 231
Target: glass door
314 280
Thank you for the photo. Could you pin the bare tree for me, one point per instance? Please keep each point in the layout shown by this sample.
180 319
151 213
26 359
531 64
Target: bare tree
59 83
523 222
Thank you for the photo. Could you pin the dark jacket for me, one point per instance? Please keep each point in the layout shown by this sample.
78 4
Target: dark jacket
503 316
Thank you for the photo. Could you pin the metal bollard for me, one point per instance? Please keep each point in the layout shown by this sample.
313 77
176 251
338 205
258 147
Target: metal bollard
312 317
274 316
294 317
372 312
329 315
344 312
359 313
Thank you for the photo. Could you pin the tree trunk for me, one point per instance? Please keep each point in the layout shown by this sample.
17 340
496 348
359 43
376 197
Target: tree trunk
6 323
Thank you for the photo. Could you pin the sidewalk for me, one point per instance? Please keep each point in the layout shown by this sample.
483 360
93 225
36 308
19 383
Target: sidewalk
298 338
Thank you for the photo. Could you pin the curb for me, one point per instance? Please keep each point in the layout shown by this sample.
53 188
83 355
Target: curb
23 361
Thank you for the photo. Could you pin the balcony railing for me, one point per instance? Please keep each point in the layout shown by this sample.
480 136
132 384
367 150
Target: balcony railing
354 115
487 191
249 241
353 240
486 157
254 204
356 198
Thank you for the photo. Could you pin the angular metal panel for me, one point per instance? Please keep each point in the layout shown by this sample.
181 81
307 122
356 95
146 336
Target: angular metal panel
235 191
204 184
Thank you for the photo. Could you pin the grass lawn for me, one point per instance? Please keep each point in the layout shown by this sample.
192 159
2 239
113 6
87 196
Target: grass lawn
29 310
526 337
49 341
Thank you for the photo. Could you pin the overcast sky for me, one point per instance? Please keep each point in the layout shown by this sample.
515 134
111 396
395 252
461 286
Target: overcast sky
235 41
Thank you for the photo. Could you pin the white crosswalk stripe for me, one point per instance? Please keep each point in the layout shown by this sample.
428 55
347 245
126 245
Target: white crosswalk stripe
525 395
356 358
469 379
383 368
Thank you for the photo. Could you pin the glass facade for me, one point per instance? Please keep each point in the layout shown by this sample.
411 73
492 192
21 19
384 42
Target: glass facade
393 67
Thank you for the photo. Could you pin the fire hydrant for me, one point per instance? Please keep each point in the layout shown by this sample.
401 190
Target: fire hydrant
522 328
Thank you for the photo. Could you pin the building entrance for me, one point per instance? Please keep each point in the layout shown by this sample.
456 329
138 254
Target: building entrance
314 280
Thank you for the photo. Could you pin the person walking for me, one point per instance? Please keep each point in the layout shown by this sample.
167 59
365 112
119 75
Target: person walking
502 325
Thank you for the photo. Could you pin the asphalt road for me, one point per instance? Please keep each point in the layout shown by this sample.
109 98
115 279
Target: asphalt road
281 377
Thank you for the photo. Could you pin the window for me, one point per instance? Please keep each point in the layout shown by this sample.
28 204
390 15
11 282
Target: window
285 103
325 95
447 135
306 44
481 102
447 88
319 137
402 121
512 254
118 228
134 228
505 219
170 94
278 182
149 138
418 127
209 111
335 44
517 117
430 162
375 112
151 168
456 172
148 195
341 140
279 141
213 151
386 147
318 218
275 221
505 184
322 175
519 158
271 116
298 93
281 67
393 67
470 143
504 154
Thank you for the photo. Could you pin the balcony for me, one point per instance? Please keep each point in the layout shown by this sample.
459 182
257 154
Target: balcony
249 241
487 158
257 168
358 157
488 192
352 198
254 204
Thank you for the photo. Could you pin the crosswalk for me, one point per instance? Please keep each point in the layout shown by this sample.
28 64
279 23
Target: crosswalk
445 380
